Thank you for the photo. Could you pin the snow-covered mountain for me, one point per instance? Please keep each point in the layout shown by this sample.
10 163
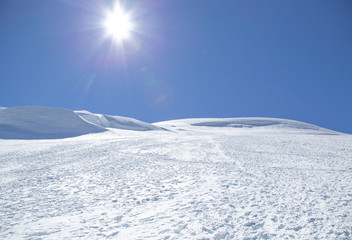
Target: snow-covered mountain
53 123
107 121
33 122
42 123
240 178
258 124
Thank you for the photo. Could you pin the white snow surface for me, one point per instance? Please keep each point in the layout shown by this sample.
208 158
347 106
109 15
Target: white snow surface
259 123
33 122
108 121
195 181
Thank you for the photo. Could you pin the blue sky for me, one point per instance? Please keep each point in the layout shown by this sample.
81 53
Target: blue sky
199 58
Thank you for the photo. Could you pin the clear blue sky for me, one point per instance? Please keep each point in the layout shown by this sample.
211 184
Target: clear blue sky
198 58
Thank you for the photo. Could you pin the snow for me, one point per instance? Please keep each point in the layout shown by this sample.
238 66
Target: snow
108 121
253 122
202 179
42 123
33 122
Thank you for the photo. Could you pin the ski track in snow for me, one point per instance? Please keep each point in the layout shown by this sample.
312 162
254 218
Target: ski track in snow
191 184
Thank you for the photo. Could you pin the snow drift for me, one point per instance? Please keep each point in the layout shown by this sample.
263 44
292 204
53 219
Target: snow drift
248 123
42 123
108 121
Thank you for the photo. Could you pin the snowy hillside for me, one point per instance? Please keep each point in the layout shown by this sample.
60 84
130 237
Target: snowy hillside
42 123
53 123
259 124
108 121
247 178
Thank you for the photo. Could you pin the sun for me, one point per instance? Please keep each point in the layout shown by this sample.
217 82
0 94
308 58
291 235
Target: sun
118 23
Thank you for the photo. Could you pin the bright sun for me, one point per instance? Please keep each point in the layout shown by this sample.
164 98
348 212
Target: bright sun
118 24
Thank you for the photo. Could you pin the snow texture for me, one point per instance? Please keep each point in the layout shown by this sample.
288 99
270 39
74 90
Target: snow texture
265 123
108 121
42 123
202 179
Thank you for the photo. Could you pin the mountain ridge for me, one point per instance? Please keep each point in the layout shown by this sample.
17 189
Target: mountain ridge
37 122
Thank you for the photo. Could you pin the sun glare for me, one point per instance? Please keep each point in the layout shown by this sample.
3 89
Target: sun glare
118 24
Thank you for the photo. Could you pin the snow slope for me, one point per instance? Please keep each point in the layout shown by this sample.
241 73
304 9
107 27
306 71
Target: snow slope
53 123
108 121
42 123
247 123
265 181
